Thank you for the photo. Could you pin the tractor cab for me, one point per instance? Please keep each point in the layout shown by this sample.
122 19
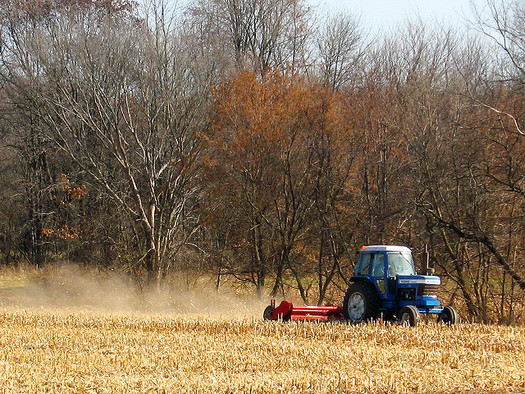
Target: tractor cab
382 265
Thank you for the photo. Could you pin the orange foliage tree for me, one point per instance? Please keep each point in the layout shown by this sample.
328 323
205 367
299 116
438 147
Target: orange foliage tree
273 154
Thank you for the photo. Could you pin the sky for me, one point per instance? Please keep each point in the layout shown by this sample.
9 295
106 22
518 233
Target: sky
385 14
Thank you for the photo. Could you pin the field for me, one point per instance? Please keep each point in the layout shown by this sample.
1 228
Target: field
66 331
45 350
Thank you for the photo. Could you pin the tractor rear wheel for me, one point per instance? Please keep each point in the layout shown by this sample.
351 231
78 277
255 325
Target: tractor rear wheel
449 316
361 303
409 315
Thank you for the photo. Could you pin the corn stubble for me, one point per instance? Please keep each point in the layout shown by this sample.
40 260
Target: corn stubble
57 351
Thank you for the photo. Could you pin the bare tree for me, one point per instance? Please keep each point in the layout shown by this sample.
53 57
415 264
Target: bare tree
503 23
341 48
256 34
121 96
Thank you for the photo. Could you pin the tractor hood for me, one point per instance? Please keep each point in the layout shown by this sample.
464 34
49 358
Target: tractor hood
418 290
418 280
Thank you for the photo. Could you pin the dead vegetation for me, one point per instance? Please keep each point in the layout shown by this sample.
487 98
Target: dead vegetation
57 351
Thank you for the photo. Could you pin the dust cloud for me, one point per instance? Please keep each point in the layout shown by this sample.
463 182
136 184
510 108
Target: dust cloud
69 287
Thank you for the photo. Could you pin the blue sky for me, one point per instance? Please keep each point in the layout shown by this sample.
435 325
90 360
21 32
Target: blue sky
384 14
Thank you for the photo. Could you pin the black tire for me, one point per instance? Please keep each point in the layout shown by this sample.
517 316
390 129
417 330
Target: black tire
267 314
361 303
409 315
449 316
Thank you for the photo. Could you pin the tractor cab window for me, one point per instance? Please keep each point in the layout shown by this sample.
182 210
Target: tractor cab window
377 266
400 263
371 262
363 264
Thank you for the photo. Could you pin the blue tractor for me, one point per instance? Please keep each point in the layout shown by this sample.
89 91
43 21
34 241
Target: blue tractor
385 284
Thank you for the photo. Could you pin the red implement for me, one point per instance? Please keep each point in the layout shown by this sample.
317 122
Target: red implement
287 311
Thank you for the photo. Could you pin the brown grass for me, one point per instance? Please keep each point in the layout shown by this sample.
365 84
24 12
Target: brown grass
57 351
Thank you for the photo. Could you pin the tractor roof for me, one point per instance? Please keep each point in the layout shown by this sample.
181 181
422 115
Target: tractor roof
385 248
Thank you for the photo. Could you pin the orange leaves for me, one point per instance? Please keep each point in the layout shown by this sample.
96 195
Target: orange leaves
262 124
73 193
64 232
76 193
254 111
272 115
48 232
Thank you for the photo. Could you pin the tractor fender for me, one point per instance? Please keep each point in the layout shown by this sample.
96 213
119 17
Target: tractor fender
364 279
355 279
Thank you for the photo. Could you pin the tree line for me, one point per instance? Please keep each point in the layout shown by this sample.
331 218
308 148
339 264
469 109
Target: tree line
255 143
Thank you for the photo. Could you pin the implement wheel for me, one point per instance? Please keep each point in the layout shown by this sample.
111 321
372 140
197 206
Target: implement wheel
449 316
267 314
361 303
409 316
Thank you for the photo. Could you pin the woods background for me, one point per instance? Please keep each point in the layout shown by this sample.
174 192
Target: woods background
256 144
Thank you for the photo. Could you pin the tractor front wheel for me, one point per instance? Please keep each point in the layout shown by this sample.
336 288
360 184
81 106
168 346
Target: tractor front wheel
361 303
449 316
409 315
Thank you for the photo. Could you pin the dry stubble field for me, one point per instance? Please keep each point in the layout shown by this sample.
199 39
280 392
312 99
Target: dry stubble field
45 350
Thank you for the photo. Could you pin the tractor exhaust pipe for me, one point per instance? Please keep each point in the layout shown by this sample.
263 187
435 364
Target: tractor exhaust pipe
429 269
